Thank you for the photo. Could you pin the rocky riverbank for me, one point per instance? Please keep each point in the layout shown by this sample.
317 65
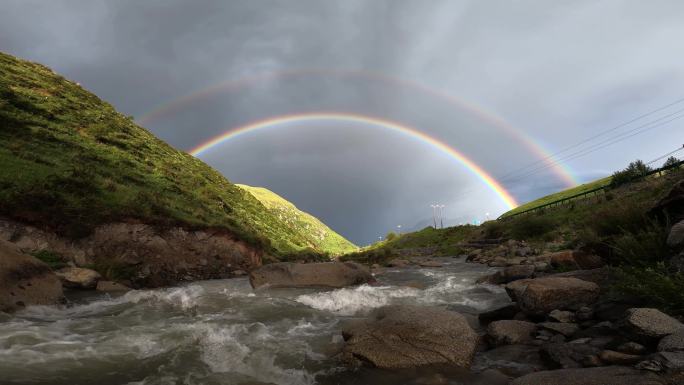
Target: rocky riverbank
139 255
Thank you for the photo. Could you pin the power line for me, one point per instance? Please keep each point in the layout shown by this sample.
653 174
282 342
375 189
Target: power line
551 156
600 145
588 151
666 155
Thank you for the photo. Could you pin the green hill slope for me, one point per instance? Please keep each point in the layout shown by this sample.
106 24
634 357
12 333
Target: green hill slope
560 195
321 236
70 162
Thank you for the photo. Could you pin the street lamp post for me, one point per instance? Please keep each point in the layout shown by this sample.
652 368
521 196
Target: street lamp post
434 216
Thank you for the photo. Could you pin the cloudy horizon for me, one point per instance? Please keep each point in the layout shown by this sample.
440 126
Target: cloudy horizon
496 81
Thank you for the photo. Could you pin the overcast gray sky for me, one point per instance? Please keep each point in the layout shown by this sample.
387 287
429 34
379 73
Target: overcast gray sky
556 72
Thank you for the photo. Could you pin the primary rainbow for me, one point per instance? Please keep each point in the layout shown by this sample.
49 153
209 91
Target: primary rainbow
476 170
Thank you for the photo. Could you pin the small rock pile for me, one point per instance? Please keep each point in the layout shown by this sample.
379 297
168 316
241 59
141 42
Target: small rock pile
575 334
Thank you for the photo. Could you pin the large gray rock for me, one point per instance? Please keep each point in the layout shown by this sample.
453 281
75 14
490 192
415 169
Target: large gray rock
609 375
542 295
25 280
325 274
676 237
672 343
509 332
649 325
78 278
410 336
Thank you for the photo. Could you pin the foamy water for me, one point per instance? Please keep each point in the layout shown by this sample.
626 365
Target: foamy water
218 332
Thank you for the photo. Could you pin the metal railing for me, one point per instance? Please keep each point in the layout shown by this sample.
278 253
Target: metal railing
594 191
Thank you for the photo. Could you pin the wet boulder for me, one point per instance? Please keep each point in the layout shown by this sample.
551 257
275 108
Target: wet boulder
542 295
324 274
509 332
78 278
403 336
25 280
609 375
648 325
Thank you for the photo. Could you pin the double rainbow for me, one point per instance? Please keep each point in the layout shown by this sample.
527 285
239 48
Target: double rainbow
411 132
561 171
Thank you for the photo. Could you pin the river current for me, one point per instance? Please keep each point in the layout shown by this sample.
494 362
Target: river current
223 332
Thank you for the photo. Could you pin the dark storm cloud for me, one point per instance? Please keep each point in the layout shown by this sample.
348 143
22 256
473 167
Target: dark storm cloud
559 72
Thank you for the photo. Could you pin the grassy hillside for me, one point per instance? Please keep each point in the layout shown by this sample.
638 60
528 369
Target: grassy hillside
560 195
70 162
316 232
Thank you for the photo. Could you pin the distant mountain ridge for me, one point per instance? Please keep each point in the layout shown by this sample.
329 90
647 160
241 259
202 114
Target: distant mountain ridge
320 236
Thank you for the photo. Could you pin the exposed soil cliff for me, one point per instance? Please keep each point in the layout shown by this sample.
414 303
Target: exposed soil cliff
142 255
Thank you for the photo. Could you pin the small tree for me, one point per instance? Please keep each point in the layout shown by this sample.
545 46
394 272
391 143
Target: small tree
670 162
634 170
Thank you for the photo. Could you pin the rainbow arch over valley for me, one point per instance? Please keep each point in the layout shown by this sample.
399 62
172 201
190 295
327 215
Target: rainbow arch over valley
560 170
491 183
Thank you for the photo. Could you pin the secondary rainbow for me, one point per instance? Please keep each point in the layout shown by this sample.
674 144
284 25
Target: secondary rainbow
562 171
455 155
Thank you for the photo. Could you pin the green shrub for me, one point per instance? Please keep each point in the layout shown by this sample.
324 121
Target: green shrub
391 236
494 229
531 227
655 285
616 219
643 248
